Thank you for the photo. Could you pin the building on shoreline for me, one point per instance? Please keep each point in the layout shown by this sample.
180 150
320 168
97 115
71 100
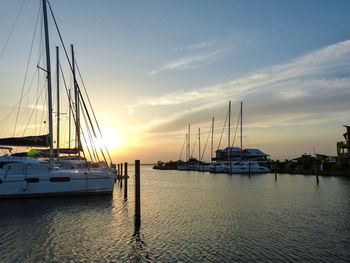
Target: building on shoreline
343 149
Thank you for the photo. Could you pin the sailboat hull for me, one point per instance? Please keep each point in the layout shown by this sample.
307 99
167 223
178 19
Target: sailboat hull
38 182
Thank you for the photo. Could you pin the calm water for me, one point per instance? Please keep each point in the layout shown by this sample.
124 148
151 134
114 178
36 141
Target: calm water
189 217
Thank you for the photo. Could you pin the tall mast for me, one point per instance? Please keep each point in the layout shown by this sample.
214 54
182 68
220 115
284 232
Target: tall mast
69 119
199 144
48 71
241 130
58 102
212 139
189 142
229 130
77 111
186 146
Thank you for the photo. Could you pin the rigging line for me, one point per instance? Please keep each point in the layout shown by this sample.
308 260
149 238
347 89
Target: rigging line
223 128
70 64
13 108
28 97
42 114
60 36
86 114
93 112
26 72
34 109
194 145
205 146
234 138
67 93
72 112
11 31
183 145
86 144
92 127
94 151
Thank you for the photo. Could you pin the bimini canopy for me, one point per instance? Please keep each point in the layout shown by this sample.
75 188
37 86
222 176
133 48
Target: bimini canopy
28 141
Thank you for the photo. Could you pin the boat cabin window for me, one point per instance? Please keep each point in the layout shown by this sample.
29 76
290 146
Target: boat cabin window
32 180
0 181
60 179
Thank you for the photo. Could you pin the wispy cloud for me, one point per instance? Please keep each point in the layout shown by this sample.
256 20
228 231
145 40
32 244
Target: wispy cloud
196 46
191 61
199 54
317 82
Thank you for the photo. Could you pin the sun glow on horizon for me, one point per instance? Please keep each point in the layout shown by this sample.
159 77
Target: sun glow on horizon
111 139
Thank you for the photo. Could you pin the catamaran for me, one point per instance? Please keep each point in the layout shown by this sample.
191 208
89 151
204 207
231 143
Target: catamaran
236 160
24 176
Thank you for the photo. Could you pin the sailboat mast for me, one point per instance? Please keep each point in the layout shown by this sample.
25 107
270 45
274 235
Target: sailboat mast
241 129
77 111
199 144
189 142
69 119
212 139
58 102
48 71
229 130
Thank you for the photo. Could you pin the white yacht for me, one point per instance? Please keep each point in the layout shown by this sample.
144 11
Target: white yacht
246 167
27 176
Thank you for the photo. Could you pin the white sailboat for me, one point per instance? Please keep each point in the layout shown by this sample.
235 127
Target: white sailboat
246 163
25 176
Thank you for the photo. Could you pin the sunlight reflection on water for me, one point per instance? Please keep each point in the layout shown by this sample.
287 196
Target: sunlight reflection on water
186 216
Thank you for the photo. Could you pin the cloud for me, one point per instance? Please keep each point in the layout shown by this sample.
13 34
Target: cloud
191 61
200 54
304 88
196 46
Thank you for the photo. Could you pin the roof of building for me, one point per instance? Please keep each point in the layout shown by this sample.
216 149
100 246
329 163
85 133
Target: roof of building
255 152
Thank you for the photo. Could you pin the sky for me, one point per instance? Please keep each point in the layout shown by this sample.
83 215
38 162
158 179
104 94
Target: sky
153 67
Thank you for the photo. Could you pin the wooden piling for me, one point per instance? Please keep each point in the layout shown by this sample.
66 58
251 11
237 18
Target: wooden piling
274 169
137 194
125 180
317 180
121 170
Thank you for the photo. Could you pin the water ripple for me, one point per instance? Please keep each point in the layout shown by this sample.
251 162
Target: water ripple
186 217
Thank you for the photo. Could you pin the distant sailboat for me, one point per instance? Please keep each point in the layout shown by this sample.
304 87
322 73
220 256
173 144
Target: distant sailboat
234 160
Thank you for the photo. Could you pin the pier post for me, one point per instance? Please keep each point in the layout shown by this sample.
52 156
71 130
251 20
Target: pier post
315 164
274 169
118 171
137 195
125 180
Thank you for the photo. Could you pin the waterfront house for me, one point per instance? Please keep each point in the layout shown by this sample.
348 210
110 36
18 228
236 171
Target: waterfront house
237 154
343 149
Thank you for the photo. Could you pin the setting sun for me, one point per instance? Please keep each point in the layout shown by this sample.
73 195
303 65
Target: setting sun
111 138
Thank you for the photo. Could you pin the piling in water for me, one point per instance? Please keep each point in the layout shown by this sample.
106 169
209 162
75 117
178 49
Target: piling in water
125 180
274 169
137 195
